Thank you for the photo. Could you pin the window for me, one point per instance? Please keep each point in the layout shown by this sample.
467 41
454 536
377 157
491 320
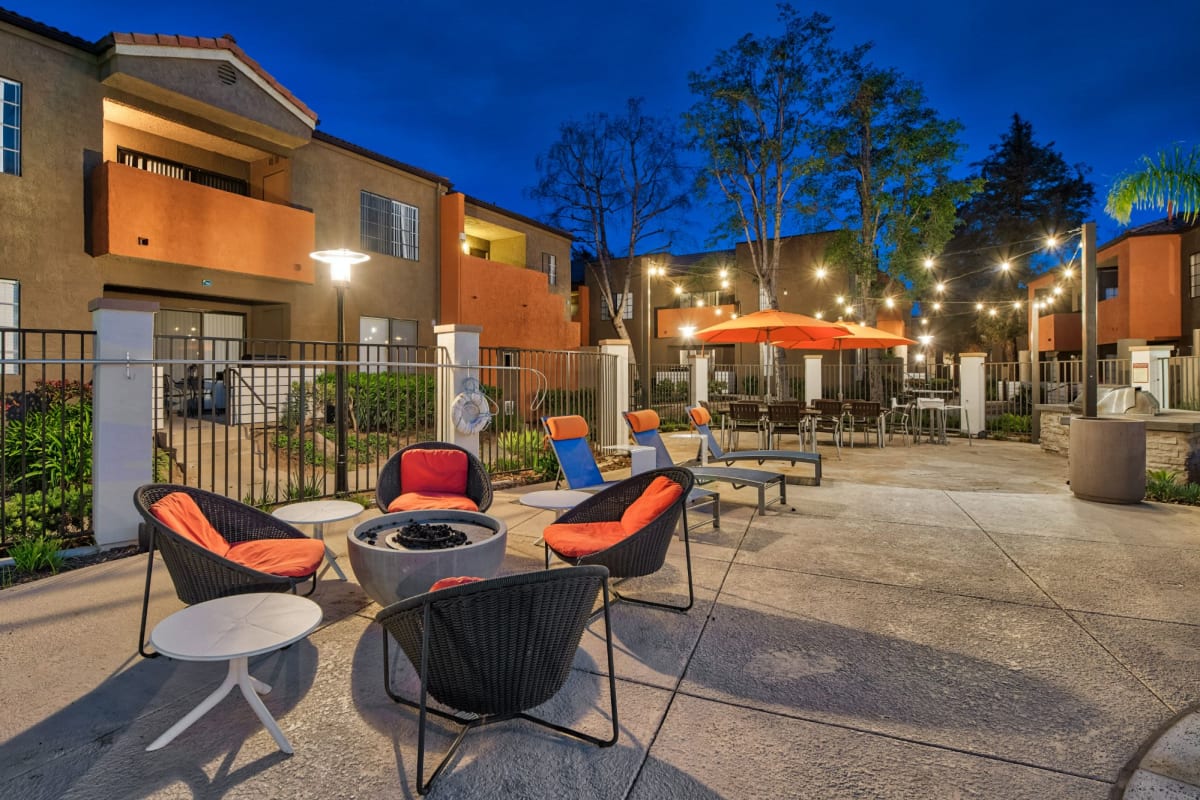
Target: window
385 339
1107 287
10 317
10 127
626 306
1194 260
550 267
388 226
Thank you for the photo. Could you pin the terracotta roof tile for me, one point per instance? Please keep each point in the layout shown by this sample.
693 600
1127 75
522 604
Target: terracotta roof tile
209 43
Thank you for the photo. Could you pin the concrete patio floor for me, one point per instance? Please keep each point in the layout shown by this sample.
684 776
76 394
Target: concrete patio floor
932 622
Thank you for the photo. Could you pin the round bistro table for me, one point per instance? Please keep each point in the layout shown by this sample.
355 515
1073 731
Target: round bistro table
233 629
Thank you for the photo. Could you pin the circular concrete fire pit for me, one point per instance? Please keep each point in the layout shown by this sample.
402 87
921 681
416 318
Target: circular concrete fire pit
388 570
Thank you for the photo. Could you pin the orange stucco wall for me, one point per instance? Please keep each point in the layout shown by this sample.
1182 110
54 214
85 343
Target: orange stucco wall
1151 270
513 305
1060 332
581 313
185 223
671 320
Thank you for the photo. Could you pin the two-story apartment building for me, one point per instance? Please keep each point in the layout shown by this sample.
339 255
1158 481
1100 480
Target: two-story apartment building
1148 292
177 169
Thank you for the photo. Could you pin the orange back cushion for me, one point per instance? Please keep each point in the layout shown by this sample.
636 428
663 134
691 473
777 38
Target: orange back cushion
658 496
573 427
700 416
434 471
642 420
292 558
179 512
446 583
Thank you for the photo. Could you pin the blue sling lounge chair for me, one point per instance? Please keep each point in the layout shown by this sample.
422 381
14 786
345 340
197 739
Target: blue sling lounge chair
700 421
644 426
568 438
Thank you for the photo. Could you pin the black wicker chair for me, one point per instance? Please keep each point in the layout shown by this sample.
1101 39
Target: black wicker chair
645 551
495 649
388 487
198 573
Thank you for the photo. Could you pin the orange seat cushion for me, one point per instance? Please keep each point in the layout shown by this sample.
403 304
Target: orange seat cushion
575 539
656 499
420 501
700 416
573 427
291 558
446 583
433 471
642 420
179 512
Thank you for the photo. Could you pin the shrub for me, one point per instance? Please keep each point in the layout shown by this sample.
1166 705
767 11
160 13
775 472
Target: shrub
1010 423
49 447
33 554
53 511
1163 485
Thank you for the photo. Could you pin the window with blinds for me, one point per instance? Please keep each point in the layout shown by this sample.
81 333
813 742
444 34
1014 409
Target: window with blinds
389 226
550 267
10 317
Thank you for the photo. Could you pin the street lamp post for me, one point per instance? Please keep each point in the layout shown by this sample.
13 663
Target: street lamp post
340 261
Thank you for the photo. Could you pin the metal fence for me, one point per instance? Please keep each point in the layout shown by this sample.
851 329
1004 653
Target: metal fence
256 420
1183 382
525 386
1063 380
46 435
1008 406
879 382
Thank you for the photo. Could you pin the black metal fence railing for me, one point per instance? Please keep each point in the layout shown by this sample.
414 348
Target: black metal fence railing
1061 381
1008 407
526 385
256 420
879 382
46 436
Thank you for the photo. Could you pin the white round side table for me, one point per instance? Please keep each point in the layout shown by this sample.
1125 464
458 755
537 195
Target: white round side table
317 513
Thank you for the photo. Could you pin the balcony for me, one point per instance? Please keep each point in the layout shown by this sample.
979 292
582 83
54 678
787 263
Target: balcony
141 215
1060 332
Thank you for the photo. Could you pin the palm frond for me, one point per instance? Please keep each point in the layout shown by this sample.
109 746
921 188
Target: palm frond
1169 178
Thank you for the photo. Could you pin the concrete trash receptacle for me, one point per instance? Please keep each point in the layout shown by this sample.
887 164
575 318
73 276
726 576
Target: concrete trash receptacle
1108 459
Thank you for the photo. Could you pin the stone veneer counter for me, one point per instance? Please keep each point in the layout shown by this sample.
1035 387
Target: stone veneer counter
1171 437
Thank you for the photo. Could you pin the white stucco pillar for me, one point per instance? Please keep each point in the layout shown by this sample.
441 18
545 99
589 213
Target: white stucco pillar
1146 371
123 416
972 387
812 378
698 380
461 345
614 429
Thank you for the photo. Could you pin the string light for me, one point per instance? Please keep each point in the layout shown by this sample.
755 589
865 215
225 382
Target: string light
1058 290
1005 265
979 306
724 273
993 312
924 321
678 290
928 263
840 300
724 284
890 303
822 272
1068 272
937 306
1052 241
941 287
1017 305
819 315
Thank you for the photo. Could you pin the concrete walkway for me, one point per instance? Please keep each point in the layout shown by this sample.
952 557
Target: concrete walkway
886 640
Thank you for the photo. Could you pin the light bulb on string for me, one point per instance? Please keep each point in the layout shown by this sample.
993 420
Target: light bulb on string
1052 241
1068 272
928 263
890 303
937 306
1006 266
1058 290
819 315
678 290
1017 305
979 306
724 273
821 272
941 287
840 300
993 312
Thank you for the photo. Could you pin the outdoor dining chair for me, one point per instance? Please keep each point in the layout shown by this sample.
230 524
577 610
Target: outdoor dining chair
494 649
866 415
744 417
427 475
900 417
628 528
787 418
214 547
829 419
568 439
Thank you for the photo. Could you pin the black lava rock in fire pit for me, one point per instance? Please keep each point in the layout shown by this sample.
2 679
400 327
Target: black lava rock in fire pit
418 536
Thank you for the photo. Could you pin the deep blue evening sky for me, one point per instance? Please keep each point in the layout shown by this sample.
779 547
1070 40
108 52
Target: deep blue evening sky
474 91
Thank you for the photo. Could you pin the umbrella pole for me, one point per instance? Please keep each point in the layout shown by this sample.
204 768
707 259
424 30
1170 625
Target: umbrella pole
840 395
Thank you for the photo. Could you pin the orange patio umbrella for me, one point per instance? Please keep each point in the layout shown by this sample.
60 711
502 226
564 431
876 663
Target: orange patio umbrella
771 326
858 337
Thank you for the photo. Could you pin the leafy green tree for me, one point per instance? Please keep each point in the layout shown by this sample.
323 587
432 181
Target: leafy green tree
757 106
1029 192
609 178
1169 180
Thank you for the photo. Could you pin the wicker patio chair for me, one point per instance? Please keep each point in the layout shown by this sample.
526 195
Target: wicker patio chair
642 552
495 649
389 486
199 574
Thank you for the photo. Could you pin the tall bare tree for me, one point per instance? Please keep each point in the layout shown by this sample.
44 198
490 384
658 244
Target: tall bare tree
614 182
755 107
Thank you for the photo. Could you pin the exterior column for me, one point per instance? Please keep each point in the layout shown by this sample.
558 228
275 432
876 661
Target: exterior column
812 378
123 417
972 388
461 345
698 380
613 430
